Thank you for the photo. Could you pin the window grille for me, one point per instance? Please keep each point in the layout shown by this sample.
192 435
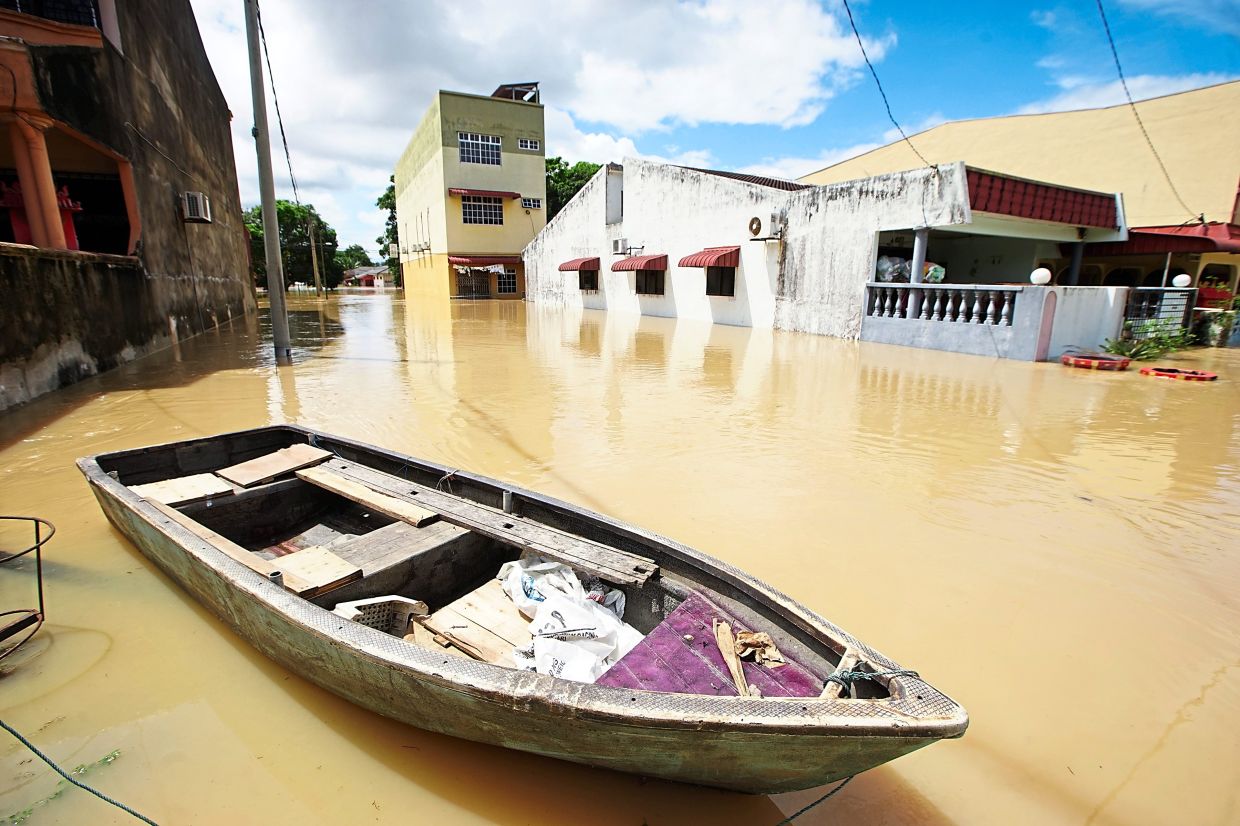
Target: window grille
475 148
482 209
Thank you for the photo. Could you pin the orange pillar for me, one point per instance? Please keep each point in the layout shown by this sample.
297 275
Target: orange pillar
25 176
41 167
125 170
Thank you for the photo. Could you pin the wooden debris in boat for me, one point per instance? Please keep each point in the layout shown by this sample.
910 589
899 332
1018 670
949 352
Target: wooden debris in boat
421 635
268 467
356 491
184 489
321 569
848 662
727 647
484 623
607 563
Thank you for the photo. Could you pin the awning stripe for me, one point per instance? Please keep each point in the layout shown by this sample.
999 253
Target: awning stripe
713 257
482 260
486 193
578 264
640 262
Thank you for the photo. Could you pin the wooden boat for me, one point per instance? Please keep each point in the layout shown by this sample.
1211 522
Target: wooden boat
220 516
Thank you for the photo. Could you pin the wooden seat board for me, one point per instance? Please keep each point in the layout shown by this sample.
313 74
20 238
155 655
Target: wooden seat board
393 543
185 489
319 567
611 564
362 494
265 468
485 623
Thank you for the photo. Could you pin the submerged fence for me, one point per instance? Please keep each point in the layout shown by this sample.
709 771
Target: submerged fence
1154 310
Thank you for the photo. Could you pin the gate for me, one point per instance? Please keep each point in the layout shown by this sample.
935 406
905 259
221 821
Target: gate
1154 310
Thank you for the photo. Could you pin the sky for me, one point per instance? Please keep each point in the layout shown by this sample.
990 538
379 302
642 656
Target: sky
776 89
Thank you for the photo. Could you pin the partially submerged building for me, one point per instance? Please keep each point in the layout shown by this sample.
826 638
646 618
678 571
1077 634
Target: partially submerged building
1197 137
121 229
665 240
471 191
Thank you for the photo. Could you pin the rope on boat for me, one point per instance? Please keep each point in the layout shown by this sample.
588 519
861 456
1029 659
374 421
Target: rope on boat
822 799
70 777
847 678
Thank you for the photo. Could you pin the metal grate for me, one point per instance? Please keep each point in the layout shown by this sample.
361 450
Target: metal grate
75 12
1156 310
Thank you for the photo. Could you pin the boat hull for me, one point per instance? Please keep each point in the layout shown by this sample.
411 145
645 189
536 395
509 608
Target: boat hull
760 746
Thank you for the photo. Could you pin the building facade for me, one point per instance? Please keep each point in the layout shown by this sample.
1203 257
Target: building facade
115 115
1193 228
471 191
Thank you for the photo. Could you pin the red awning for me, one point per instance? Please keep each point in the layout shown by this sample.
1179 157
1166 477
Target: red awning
713 257
579 264
487 193
640 262
1213 237
482 260
1006 195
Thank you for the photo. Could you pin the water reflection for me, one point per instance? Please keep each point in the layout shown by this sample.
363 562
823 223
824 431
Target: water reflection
1053 547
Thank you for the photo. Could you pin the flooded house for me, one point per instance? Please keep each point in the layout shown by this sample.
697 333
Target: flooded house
665 240
121 229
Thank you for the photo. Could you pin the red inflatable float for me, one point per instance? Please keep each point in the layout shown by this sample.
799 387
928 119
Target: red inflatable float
1175 373
1095 361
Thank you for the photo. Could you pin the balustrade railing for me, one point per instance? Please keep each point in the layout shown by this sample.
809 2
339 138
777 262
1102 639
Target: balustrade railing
947 303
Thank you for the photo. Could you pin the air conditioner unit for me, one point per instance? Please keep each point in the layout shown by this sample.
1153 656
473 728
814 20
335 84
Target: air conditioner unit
776 228
195 208
393 251
620 246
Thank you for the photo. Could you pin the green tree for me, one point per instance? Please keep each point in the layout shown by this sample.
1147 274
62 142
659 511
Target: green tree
390 235
353 256
294 221
564 181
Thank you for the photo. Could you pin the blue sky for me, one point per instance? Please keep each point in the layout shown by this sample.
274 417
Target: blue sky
776 88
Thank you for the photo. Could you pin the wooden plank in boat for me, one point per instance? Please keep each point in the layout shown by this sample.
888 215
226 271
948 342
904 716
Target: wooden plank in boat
184 489
484 623
421 635
321 569
611 564
229 548
360 493
268 467
393 543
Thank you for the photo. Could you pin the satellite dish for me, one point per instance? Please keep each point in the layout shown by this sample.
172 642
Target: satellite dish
755 226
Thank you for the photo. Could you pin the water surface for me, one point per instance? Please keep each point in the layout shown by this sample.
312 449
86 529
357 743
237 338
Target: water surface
1055 548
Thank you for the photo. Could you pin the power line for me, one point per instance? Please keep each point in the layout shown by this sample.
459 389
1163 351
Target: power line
879 84
1124 82
271 78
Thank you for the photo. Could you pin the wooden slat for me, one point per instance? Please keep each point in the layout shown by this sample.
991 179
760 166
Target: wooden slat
423 636
393 543
350 489
184 489
491 608
266 468
229 548
611 564
319 567
474 639
848 662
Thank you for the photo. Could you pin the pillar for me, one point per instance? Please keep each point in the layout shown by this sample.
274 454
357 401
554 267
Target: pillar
1074 269
45 188
25 176
921 240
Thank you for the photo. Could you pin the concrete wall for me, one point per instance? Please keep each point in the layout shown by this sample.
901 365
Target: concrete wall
1085 317
814 280
159 106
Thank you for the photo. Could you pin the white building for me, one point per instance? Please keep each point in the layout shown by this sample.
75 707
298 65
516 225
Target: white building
664 240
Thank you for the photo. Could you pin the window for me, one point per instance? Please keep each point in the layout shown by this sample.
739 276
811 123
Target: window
482 209
506 282
528 143
650 282
531 203
475 148
721 281
588 280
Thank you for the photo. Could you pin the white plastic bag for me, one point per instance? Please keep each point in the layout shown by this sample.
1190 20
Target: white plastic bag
530 580
575 640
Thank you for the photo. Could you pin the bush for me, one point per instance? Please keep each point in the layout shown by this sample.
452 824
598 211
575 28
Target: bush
1148 340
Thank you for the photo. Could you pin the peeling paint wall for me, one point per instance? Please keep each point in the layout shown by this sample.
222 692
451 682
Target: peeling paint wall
814 280
159 106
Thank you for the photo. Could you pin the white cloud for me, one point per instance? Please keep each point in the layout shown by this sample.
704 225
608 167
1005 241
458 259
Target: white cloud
1080 93
1221 15
1044 19
355 78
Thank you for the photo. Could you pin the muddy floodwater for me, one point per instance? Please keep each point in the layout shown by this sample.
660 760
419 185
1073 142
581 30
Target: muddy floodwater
1057 549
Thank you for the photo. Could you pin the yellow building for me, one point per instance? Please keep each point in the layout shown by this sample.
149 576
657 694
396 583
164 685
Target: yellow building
471 192
1196 133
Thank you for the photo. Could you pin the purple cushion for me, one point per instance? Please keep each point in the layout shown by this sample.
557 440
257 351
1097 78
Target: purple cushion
666 661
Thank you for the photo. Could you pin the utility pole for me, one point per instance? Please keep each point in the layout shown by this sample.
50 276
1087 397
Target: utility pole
267 191
314 261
